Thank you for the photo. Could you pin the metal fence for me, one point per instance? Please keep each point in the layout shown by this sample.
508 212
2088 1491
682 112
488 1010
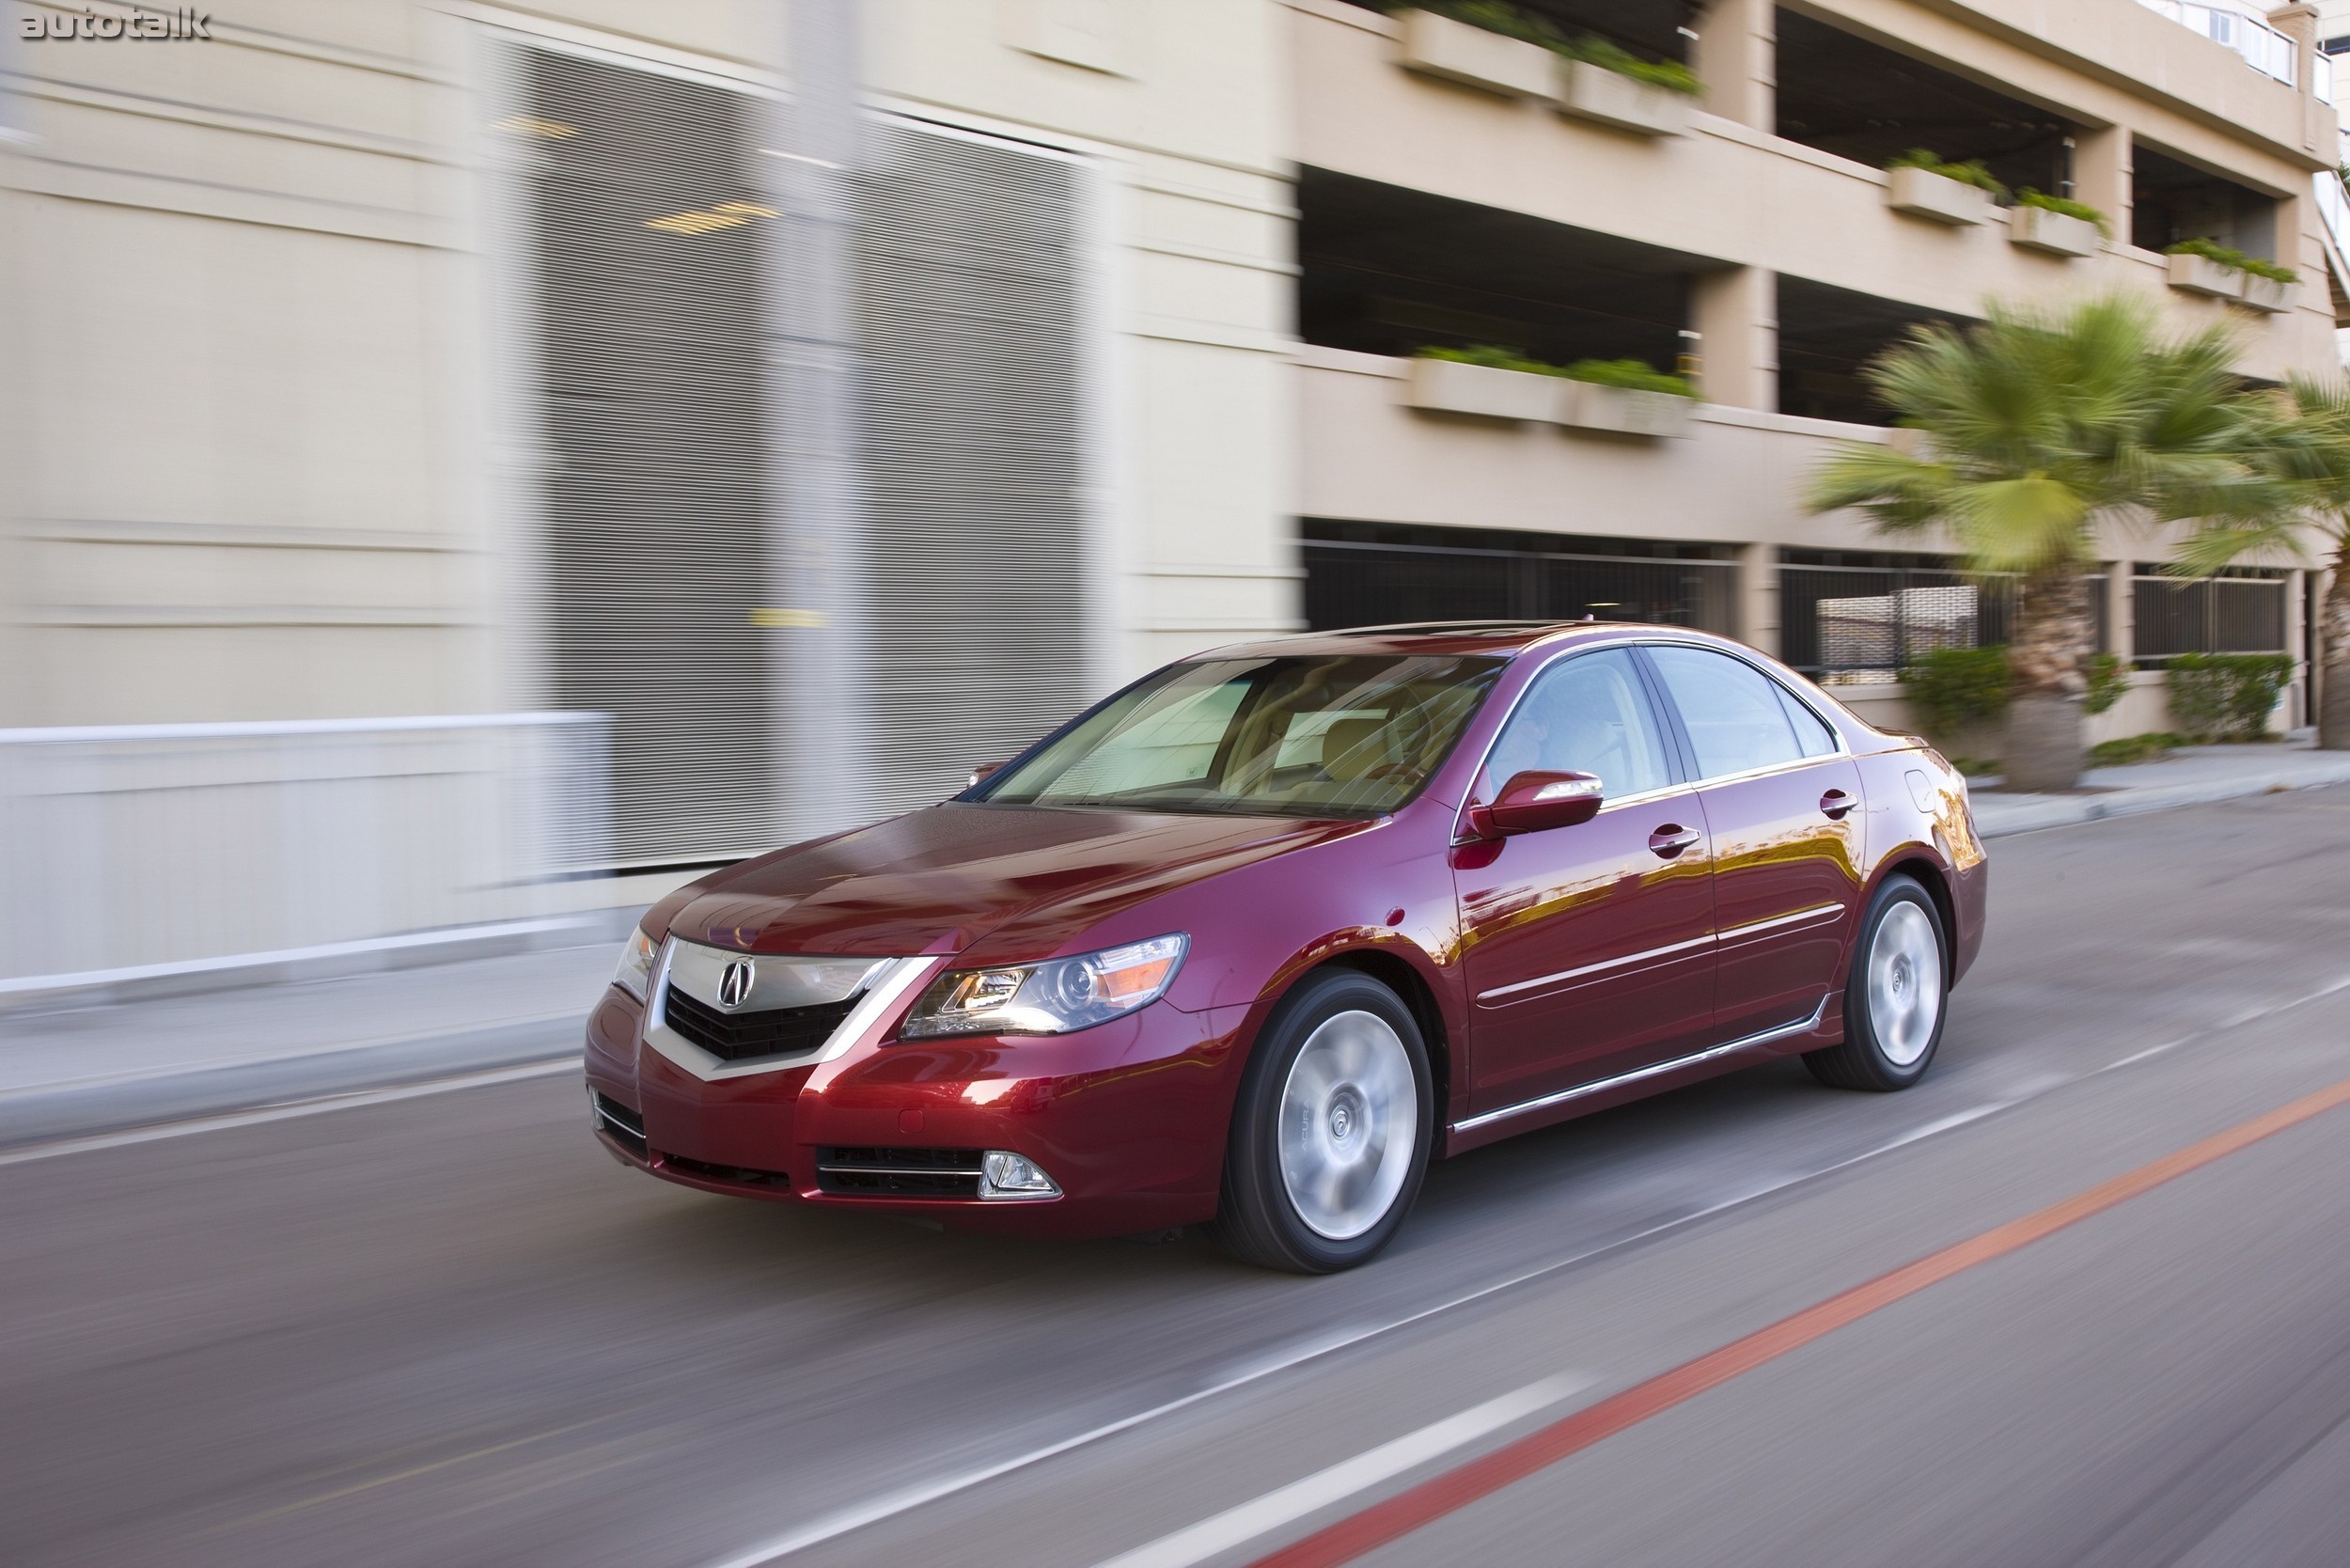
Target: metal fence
2240 611
1362 584
144 848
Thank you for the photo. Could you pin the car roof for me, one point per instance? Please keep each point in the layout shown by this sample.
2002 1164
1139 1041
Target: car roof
1499 638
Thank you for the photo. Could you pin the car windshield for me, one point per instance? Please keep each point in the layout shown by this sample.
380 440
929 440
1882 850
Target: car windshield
1330 735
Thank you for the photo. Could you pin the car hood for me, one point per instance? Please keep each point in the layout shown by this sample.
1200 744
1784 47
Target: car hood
947 879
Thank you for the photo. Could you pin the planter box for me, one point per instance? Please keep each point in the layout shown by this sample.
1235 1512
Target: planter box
1610 98
1586 406
1937 197
2054 233
2269 295
1442 387
2200 275
1438 46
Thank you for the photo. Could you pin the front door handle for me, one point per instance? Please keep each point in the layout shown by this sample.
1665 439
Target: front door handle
1833 803
1672 838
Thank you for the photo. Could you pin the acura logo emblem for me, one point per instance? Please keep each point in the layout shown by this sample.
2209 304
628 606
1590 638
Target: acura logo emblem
735 983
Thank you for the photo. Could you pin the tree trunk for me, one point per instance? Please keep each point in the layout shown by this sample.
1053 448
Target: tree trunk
2053 630
2333 654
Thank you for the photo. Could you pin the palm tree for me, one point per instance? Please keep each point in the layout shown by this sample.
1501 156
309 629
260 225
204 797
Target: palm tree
2039 429
2302 442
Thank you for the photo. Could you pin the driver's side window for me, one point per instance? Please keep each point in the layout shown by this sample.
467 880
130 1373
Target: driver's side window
1587 713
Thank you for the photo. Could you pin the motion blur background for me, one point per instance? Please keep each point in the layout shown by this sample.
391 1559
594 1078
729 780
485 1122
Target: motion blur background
467 466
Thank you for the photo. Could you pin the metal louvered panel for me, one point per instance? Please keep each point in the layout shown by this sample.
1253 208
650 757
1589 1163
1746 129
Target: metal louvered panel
646 369
971 462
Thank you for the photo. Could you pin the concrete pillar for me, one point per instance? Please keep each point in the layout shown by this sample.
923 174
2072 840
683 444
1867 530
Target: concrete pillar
1758 597
2101 174
1737 60
2120 629
1736 317
2296 703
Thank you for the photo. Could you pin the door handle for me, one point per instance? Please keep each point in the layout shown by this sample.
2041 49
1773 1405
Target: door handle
1672 838
1833 803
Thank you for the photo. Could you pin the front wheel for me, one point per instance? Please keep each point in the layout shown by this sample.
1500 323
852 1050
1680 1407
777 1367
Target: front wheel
1332 1131
1895 996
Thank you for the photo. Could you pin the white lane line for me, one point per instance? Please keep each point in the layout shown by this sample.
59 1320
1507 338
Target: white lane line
1263 1515
290 1111
858 1515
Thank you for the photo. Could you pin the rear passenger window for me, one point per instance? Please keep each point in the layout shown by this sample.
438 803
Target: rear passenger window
1811 731
1731 711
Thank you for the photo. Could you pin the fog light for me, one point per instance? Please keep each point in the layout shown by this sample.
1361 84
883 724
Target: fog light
1005 1174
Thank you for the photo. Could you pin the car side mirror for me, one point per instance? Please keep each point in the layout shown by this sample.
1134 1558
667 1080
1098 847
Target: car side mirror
1535 802
982 771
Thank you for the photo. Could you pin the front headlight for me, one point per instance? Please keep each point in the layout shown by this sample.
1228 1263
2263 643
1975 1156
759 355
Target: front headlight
634 975
1065 994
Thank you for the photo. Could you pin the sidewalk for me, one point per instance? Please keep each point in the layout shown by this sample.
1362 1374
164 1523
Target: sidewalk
74 1070
2193 776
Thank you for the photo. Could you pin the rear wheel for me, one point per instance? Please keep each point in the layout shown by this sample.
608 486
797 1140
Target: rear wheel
1896 995
1332 1131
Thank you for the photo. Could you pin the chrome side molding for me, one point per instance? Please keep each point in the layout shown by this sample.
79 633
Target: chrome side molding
1640 1075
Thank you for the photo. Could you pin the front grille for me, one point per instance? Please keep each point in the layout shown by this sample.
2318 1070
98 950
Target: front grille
743 1176
622 1125
865 1171
779 1031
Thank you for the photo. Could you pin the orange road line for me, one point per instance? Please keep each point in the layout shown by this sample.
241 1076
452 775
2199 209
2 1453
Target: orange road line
1347 1539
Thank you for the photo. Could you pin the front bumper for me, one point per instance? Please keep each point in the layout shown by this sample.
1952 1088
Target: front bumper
1128 1117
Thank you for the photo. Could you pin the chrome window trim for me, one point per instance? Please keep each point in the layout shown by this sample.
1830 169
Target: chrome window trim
893 981
1744 656
1844 747
1640 1074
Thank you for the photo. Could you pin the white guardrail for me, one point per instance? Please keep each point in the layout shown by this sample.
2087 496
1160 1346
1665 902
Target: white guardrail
2239 29
145 849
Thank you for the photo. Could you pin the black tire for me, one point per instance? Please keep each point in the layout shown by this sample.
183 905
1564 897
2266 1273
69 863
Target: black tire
1889 1043
1260 1220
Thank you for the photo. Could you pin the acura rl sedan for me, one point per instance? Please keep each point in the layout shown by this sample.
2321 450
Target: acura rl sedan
1256 939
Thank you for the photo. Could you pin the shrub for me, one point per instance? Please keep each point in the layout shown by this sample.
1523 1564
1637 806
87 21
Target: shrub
1493 356
2108 679
2066 205
1953 687
1516 22
1972 172
1669 74
2226 696
1632 375
2133 748
2227 256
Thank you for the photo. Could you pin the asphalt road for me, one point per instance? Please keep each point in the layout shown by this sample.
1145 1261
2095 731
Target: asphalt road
449 1331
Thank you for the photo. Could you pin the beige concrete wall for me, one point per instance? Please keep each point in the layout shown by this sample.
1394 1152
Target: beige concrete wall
237 495
249 339
1184 102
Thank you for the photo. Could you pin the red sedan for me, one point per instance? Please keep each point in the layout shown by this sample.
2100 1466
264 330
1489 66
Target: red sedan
1257 938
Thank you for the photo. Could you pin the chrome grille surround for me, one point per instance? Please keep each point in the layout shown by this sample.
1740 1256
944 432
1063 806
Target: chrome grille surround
780 980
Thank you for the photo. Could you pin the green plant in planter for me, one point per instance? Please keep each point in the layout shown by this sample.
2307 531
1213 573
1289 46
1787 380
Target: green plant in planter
2133 748
1493 356
1972 172
2109 678
1954 687
2066 205
2227 256
2226 696
1632 375
1669 74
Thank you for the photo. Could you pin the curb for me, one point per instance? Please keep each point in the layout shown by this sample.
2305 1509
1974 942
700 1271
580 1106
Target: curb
78 1110
2031 815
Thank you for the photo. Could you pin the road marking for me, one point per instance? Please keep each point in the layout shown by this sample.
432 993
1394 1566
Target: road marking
1236 1527
888 1504
1432 1499
290 1111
